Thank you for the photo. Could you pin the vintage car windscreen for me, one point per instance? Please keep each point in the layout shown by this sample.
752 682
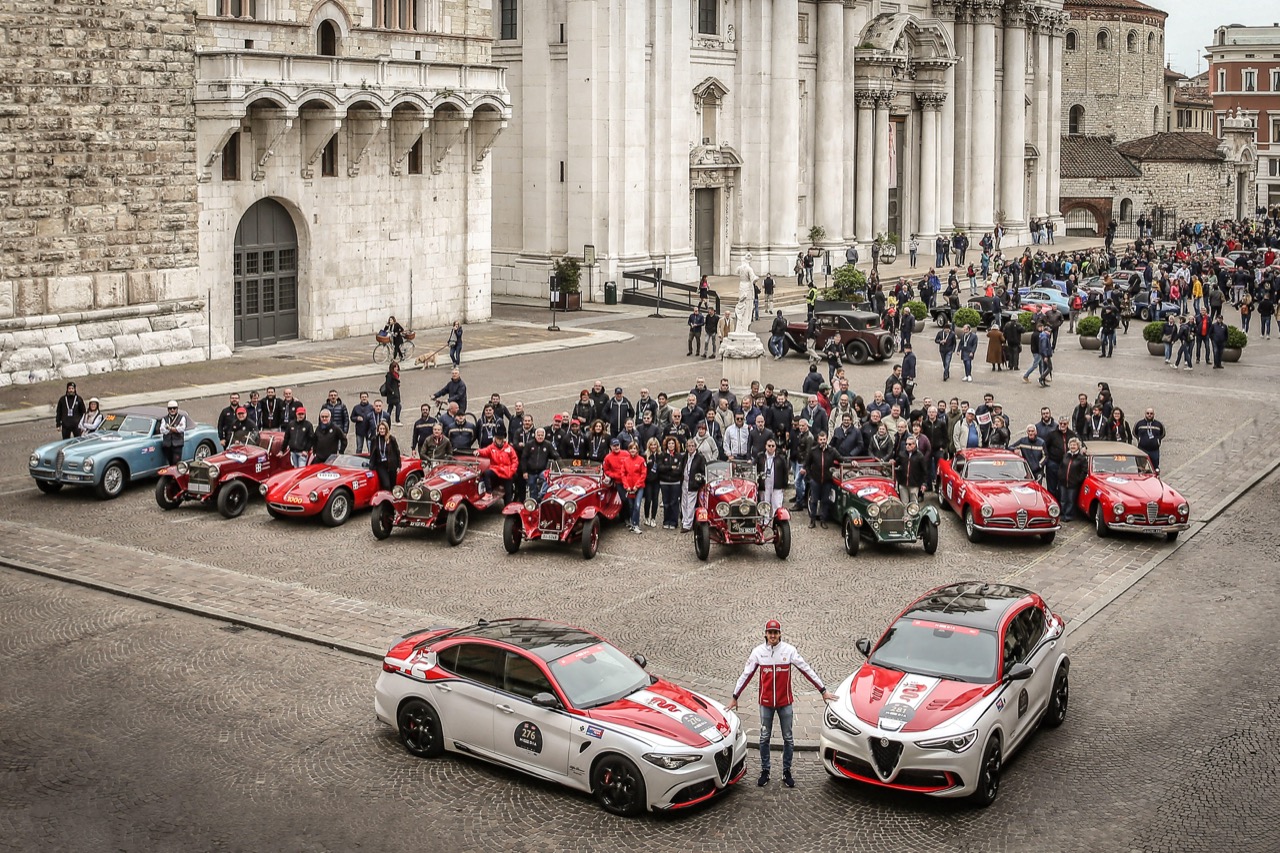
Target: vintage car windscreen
347 460
469 463
598 675
584 469
939 649
737 469
997 469
127 424
1120 463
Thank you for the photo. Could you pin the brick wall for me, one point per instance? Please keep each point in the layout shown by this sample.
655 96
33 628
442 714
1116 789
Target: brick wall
1196 190
1120 90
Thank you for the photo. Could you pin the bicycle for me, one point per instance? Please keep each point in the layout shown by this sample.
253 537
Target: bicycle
384 349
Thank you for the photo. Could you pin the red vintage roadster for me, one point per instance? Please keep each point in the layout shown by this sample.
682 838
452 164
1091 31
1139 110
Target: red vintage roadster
731 512
577 499
225 479
449 491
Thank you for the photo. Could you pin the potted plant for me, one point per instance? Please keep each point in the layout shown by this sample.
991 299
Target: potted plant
917 308
848 284
967 317
1153 334
1236 342
569 275
1088 329
816 235
888 246
1027 322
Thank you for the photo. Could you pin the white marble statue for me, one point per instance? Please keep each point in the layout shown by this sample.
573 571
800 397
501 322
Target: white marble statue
746 295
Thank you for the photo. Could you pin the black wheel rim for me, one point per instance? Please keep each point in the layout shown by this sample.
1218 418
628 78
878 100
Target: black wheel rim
1062 696
460 522
595 535
236 498
385 514
618 786
991 773
418 727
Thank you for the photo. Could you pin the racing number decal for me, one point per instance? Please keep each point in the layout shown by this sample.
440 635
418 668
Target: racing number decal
1023 699
663 704
529 736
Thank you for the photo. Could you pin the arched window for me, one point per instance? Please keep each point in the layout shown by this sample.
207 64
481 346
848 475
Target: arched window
1126 209
1071 40
1075 119
327 39
1104 40
1131 41
1155 120
1151 42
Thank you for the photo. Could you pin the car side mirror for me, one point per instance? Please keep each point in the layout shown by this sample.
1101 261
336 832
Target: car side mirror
1019 672
864 645
641 660
546 700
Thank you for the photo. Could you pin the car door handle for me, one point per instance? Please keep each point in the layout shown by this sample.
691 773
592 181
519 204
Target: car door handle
444 688
506 709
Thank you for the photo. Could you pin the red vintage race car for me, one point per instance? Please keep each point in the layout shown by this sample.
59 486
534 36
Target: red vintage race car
225 479
730 512
1123 492
332 489
993 492
577 499
450 489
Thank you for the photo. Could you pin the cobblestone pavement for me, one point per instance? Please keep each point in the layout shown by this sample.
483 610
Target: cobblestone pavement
695 621
131 727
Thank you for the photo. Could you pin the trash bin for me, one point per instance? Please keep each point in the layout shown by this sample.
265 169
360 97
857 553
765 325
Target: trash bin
610 293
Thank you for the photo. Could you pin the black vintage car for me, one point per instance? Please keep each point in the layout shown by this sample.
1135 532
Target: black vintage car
988 307
859 332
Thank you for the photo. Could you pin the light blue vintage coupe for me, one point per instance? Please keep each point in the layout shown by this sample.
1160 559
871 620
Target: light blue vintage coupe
125 448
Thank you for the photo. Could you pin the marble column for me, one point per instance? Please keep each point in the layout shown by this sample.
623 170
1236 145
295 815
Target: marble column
866 101
1055 119
1040 104
947 157
930 116
960 121
1013 124
669 135
850 174
828 172
881 169
784 132
752 103
982 120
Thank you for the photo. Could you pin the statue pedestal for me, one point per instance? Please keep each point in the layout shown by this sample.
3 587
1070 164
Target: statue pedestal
740 355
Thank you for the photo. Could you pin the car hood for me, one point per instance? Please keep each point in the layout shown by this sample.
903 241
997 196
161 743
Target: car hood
444 476
871 489
88 445
1010 495
732 490
1137 487
312 478
669 711
571 488
904 701
237 455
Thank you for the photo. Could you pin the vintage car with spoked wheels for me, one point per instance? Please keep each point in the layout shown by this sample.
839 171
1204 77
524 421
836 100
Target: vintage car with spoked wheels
956 684
859 332
333 489
126 448
1122 491
993 491
225 480
730 511
449 491
868 506
564 705
578 499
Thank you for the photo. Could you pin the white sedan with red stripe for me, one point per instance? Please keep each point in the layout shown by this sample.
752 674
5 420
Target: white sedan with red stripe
562 704
952 689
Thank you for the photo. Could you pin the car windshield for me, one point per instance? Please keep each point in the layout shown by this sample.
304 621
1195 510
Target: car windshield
734 469
131 424
998 469
1120 463
585 469
347 460
938 649
598 675
864 468
469 462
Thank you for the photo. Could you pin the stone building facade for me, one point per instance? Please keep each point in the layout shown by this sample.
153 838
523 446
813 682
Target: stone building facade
197 175
1113 69
1244 81
685 135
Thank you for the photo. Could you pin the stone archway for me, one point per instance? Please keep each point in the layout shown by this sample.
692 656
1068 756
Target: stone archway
265 275
1086 217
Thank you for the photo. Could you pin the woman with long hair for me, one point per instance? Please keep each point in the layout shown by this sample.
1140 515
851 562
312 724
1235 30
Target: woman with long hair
670 470
391 391
384 457
651 489
455 343
1120 430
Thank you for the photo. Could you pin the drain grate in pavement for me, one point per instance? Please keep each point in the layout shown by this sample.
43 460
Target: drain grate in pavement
283 357
232 629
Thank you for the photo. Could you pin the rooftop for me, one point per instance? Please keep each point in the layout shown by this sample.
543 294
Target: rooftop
1121 6
1172 147
1094 157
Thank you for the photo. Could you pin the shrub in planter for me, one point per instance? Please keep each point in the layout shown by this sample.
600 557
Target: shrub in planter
1153 333
917 308
1027 321
1088 327
849 284
967 317
1236 339
569 273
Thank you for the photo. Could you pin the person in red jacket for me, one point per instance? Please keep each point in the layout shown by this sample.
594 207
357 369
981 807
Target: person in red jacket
614 467
503 464
635 470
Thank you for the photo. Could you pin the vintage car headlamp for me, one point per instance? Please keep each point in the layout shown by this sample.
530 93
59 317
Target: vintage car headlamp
1183 509
313 497
765 509
570 507
1054 510
835 721
671 762
1118 509
955 743
262 490
531 505
746 508
397 492
722 509
913 508
34 461
416 493
214 470
88 465
987 510
183 468
434 496
873 510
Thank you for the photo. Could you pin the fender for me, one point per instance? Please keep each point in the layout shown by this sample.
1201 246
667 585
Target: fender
701 514
238 475
452 504
930 512
381 497
782 514
855 518
513 508
589 513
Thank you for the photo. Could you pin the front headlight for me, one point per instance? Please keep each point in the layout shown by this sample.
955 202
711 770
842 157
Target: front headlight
1118 509
313 497
873 510
416 493
531 505
88 465
398 492
1183 509
1054 511
262 490
34 461
434 496
835 721
765 509
955 743
722 510
183 468
570 507
671 762
913 508
987 510
745 509
214 470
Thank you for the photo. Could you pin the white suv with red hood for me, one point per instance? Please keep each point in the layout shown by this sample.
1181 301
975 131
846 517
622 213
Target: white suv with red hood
562 704
952 689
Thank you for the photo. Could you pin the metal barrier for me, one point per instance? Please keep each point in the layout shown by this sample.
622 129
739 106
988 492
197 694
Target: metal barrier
671 294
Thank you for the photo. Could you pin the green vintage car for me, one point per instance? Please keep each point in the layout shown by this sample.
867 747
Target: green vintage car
868 506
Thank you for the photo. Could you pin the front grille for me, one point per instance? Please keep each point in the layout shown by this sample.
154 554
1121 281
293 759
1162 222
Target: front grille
287 508
1153 512
893 510
896 526
724 758
925 779
738 769
420 509
1022 519
550 516
886 753
198 474
852 766
1043 521
693 792
58 463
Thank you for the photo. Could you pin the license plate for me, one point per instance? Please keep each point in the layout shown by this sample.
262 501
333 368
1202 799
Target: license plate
198 489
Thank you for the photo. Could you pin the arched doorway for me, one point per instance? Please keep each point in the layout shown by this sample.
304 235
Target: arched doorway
327 39
266 276
1082 222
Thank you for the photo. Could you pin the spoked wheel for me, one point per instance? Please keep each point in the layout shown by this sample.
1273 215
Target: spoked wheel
455 524
590 538
989 776
412 479
929 535
970 527
113 481
512 533
233 497
338 509
168 493
1057 714
782 539
406 350
381 353
420 730
702 540
382 520
852 537
204 450
618 786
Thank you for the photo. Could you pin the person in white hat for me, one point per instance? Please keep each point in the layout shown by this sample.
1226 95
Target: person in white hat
92 419
173 433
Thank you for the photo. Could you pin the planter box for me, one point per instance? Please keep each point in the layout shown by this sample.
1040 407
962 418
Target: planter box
1232 354
1028 338
1092 342
569 302
1155 349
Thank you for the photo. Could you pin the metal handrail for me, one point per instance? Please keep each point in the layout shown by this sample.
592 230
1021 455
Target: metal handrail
654 277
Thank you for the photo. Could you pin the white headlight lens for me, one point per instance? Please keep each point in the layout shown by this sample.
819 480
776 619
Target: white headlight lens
835 721
397 492
765 509
434 496
570 507
88 465
722 509
671 762
531 505
913 508
987 510
873 510
262 490
183 468
313 497
1054 511
416 493
1183 509
1118 509
955 743
34 462
214 470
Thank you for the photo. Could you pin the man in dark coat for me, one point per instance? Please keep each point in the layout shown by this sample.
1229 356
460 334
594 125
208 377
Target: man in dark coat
68 412
362 418
1218 337
227 419
328 438
817 469
1074 468
299 437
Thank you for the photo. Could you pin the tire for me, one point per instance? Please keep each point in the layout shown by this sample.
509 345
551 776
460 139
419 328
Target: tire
858 352
782 539
852 538
420 730
1047 538
970 529
114 479
989 775
512 534
590 538
168 494
888 346
382 519
337 509
381 353
702 540
1171 536
205 449
412 479
618 786
1144 314
929 535
233 497
1056 715
455 524
406 351
49 487
1100 521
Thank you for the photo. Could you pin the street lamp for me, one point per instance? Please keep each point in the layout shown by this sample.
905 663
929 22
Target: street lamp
554 282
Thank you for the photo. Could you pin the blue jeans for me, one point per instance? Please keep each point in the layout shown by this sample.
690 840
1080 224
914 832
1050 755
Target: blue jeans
800 482
1108 342
455 353
784 715
946 364
1068 498
1265 324
299 459
968 363
670 504
537 485
1244 322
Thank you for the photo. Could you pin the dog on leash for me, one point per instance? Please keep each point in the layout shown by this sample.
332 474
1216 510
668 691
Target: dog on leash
428 360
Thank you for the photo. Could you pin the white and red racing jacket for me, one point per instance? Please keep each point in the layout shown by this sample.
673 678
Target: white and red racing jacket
774 664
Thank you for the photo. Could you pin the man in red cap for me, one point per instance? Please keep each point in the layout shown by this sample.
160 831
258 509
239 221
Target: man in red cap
299 437
774 659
